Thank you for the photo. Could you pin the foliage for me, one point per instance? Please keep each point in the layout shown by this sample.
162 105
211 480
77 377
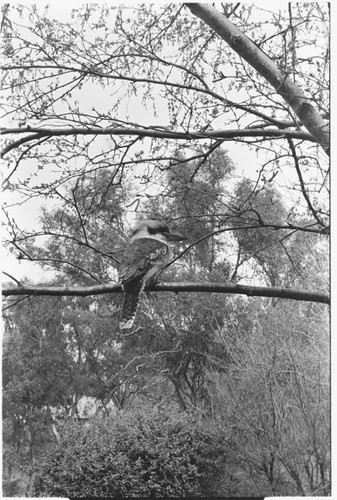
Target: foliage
195 196
143 453
36 364
262 237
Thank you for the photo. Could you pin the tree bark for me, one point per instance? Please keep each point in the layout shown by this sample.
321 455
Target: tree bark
250 291
266 67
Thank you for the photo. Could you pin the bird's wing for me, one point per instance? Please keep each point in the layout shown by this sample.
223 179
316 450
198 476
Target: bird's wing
141 256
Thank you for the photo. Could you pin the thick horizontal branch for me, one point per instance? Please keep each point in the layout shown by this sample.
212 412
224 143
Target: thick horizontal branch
162 133
250 291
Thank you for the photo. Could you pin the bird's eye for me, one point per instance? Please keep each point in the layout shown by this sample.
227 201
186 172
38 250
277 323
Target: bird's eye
154 227
156 230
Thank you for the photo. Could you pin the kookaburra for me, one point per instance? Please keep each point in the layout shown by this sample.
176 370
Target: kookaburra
143 261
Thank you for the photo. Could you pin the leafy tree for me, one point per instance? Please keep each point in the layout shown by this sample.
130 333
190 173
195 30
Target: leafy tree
37 368
195 196
84 232
261 237
38 373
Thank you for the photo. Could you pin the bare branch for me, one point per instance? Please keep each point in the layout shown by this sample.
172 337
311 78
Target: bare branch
148 132
302 184
245 227
12 278
203 90
266 67
36 234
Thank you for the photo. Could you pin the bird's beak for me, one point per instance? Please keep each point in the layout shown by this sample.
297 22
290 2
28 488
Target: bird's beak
175 237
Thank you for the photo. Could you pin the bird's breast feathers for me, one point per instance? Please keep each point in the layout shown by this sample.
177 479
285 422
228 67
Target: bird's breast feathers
142 255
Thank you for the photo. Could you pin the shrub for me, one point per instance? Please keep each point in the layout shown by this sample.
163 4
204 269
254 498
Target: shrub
143 453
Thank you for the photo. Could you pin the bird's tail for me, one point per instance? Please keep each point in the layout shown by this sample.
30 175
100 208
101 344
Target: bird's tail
129 310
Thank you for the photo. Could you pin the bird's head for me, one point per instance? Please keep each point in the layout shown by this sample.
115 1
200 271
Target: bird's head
155 229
